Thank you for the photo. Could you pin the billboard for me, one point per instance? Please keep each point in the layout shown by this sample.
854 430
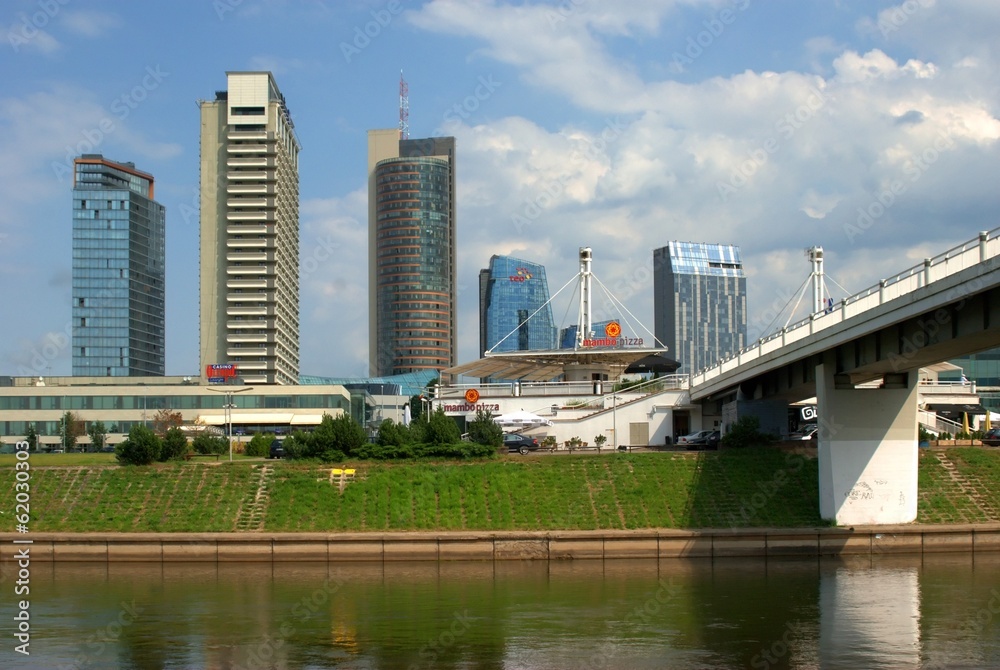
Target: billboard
220 373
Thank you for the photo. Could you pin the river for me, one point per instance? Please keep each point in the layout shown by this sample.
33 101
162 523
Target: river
935 611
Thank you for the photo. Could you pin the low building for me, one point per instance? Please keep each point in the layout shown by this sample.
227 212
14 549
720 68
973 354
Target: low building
122 403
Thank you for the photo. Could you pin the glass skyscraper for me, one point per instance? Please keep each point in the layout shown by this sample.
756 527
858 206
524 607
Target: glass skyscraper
511 291
118 271
699 302
411 247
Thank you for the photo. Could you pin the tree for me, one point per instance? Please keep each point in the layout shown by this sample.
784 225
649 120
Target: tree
31 437
141 447
391 433
175 445
98 435
165 420
485 430
70 429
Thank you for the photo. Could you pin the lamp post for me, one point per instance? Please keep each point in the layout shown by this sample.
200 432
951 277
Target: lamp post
227 416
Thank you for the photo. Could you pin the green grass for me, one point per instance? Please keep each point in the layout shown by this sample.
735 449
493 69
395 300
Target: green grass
741 488
48 460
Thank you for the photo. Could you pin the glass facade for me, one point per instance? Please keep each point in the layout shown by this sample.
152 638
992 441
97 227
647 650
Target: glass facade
413 240
118 271
699 302
513 310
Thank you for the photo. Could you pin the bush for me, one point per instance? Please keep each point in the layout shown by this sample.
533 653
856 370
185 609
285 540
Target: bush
441 429
174 445
296 445
206 443
391 433
385 452
260 444
342 434
141 447
485 430
746 433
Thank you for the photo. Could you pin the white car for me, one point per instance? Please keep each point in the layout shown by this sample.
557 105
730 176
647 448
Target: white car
694 438
809 431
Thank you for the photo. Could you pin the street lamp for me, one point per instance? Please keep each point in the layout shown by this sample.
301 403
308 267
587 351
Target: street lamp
228 413
614 421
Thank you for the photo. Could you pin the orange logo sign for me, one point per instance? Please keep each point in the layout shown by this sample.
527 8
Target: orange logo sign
472 395
613 329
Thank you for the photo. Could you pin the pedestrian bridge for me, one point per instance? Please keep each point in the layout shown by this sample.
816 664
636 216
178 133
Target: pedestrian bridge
860 359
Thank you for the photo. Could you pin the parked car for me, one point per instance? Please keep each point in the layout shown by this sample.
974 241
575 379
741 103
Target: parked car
694 438
705 439
992 437
277 449
520 443
808 431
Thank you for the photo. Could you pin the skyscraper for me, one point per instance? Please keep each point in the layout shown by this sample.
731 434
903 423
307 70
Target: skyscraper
514 314
411 253
699 302
250 231
118 270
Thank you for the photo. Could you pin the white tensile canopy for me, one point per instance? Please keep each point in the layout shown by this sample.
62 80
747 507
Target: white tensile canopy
521 419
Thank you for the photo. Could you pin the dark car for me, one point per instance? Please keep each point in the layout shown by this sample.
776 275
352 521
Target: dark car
992 437
707 439
277 449
520 443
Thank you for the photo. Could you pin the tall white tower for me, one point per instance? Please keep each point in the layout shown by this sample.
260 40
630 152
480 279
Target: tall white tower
250 231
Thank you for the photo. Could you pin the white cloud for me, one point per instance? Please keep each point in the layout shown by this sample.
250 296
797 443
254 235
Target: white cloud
89 23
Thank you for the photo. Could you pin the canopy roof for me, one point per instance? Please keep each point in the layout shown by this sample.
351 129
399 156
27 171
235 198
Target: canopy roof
546 365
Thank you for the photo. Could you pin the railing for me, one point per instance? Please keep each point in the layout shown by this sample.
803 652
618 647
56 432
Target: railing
584 388
956 259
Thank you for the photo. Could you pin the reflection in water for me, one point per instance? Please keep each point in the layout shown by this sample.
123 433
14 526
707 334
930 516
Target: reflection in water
870 613
881 612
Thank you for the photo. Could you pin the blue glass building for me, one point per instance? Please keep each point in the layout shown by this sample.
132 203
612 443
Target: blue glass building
699 302
514 314
118 271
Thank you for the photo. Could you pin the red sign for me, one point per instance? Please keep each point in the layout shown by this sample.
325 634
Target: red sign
225 371
472 395
613 329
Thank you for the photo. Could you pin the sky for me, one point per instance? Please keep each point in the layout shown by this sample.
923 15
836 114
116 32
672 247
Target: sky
866 127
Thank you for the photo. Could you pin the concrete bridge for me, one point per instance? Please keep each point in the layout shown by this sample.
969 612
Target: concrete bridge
859 359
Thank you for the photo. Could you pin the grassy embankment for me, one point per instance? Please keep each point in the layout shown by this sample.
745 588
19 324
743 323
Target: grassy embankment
755 487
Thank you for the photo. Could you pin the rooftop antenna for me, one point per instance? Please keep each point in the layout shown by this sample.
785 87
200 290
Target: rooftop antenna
404 108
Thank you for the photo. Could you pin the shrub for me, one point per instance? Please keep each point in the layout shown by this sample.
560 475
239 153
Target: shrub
485 430
441 429
746 433
206 443
141 447
392 433
174 445
260 444
296 445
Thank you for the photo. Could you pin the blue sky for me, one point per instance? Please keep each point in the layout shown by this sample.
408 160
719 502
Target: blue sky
867 127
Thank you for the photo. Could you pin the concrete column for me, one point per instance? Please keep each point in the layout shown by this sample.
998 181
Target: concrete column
867 451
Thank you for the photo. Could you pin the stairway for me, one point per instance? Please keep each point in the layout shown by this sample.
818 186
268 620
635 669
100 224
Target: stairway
969 486
251 515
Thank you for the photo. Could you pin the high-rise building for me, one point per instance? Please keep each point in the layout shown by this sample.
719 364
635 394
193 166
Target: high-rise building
411 253
699 302
250 231
514 309
118 271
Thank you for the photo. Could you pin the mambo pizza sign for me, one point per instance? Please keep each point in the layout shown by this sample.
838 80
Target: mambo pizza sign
471 404
612 338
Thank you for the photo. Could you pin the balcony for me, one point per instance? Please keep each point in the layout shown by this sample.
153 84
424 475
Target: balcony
246 243
247 216
247 229
263 255
250 311
249 161
253 324
246 297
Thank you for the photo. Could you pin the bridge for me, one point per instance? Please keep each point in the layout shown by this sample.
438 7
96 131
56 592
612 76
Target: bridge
860 359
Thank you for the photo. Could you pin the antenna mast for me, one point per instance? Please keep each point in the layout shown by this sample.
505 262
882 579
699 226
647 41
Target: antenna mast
404 108
818 286
584 324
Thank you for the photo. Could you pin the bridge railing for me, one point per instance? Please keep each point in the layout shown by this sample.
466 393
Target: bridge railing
977 250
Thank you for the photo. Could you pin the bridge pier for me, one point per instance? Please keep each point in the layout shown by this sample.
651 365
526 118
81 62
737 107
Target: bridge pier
867 449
